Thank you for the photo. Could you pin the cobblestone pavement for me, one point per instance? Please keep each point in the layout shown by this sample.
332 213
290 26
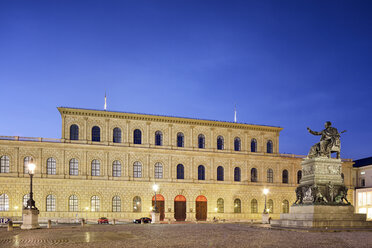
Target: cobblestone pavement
179 235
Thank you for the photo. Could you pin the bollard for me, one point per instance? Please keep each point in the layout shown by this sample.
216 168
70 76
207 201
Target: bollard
113 221
49 224
10 225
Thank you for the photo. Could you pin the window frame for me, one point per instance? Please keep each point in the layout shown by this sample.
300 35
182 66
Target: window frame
220 173
96 134
137 169
51 166
95 168
4 164
116 135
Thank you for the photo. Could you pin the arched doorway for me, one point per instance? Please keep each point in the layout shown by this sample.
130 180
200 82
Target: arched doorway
201 207
159 204
180 208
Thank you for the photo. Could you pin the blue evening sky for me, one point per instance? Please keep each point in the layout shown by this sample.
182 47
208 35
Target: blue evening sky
283 63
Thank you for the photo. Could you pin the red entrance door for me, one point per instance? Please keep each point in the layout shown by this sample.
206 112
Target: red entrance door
180 208
159 205
201 208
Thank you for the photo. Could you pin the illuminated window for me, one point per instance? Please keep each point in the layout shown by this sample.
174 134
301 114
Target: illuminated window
96 168
254 206
270 176
73 203
116 204
158 170
137 169
51 166
237 206
95 203
4 202
50 203
220 205
74 167
116 168
4 164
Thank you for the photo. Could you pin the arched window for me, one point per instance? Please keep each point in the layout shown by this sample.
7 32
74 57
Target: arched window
116 168
270 176
116 204
285 176
137 136
220 173
219 143
73 203
299 176
201 141
343 177
253 175
180 140
4 202
253 145
237 174
158 170
27 161
96 134
269 147
270 206
137 204
74 167
158 138
237 206
4 164
201 172
51 166
25 199
95 203
220 205
74 132
116 135
51 203
254 206
180 172
237 143
96 168
137 169
285 207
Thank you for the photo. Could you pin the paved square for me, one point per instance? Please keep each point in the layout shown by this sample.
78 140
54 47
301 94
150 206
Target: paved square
179 235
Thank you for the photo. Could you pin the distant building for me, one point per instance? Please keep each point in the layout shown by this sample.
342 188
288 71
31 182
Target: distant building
106 163
363 201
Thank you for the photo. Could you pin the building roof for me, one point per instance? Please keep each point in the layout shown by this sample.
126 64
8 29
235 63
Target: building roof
363 162
102 113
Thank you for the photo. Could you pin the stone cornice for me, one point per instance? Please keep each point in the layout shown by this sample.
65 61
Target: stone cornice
166 119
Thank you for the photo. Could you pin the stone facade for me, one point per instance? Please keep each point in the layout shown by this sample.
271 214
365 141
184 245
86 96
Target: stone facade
15 183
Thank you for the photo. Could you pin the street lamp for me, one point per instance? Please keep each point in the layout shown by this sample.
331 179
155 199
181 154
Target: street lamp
31 202
265 191
155 187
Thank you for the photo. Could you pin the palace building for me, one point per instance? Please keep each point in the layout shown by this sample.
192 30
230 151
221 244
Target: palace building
106 163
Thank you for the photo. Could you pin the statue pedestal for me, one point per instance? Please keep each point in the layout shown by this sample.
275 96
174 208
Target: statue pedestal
155 217
321 199
317 216
30 219
265 219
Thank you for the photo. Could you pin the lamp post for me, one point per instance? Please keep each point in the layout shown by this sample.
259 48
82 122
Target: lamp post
30 213
31 202
155 213
265 191
155 187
